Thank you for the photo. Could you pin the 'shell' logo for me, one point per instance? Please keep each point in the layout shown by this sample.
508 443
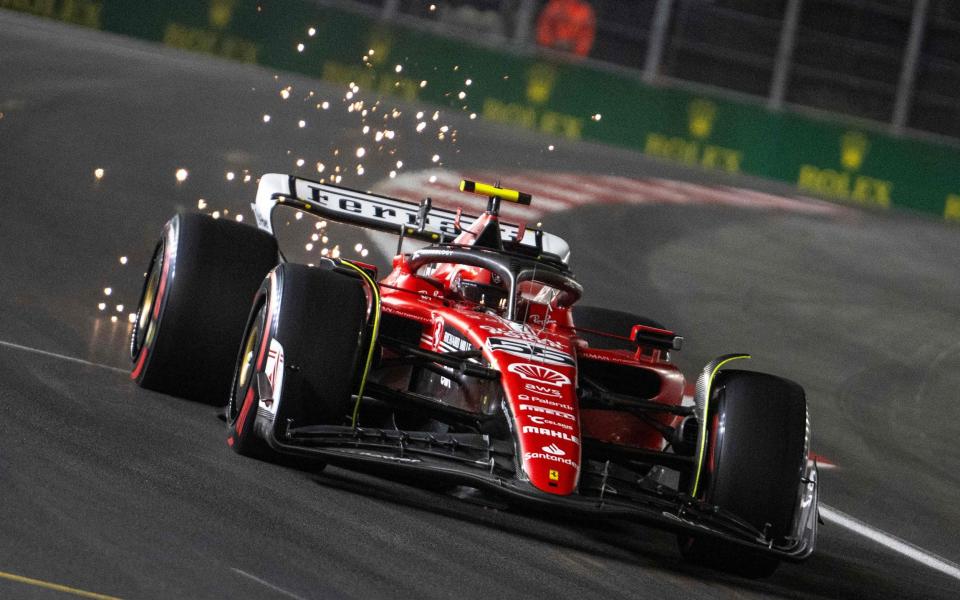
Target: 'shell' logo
539 374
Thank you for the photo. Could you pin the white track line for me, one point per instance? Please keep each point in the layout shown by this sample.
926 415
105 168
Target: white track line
61 356
893 543
267 584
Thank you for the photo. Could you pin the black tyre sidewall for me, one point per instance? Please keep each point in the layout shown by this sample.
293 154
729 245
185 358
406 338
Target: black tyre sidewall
321 322
212 269
318 317
758 452
754 465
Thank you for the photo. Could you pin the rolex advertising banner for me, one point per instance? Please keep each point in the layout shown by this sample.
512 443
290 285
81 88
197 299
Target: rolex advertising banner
849 164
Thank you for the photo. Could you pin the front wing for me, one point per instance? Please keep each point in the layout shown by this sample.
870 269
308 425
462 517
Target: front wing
605 491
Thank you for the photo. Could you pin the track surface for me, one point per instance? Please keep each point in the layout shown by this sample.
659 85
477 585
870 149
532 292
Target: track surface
109 488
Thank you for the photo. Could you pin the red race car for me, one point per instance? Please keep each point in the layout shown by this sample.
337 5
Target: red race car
471 361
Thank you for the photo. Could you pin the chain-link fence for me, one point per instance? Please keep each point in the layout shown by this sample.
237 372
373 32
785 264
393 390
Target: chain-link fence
891 61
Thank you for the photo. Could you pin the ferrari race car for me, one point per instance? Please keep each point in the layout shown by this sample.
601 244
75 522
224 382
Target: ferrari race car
472 363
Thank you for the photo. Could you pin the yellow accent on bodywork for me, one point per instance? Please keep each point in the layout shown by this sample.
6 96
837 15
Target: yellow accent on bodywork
701 452
375 290
485 189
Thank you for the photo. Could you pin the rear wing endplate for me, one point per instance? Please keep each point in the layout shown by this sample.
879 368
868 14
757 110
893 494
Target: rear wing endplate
374 211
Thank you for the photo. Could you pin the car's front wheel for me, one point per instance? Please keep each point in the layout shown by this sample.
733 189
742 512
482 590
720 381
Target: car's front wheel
300 348
753 467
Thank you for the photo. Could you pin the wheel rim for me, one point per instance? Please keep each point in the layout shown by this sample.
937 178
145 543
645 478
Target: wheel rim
144 326
246 362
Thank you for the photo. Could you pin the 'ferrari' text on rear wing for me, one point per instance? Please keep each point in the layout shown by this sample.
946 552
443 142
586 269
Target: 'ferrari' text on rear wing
377 212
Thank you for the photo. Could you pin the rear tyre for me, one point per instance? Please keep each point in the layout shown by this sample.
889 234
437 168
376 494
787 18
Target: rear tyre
608 320
194 303
754 464
304 337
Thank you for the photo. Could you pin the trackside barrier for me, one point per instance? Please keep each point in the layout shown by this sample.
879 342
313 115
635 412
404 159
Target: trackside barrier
829 158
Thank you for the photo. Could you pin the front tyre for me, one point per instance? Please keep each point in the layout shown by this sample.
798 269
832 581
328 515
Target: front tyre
301 347
753 468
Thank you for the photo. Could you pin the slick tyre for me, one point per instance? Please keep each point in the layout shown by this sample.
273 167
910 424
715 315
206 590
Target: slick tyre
609 321
302 347
194 303
754 464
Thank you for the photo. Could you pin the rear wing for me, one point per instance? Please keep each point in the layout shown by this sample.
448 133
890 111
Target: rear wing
382 213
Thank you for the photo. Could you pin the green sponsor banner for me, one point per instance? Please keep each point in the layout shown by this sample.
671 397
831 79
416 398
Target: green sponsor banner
845 163
81 12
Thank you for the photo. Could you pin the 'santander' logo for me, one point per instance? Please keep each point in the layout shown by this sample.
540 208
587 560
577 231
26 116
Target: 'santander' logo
550 457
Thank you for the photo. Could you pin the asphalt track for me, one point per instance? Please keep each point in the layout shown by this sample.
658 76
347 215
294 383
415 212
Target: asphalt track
110 489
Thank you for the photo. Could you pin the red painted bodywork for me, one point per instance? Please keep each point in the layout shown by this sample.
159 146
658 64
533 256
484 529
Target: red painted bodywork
542 396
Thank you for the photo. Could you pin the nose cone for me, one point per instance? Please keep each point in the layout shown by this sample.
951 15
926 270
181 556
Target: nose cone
553 467
544 404
538 372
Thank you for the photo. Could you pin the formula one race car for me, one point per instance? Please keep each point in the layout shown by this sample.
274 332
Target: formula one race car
471 362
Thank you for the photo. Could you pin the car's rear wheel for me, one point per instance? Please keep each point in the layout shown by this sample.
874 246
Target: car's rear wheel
754 464
194 303
303 337
607 320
